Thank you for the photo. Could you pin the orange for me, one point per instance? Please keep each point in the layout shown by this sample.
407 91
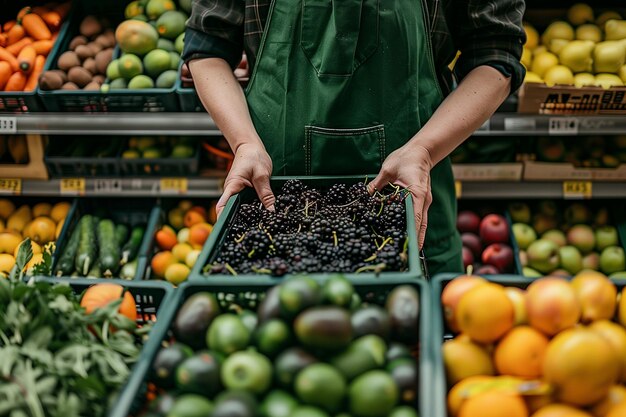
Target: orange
193 217
581 365
616 336
42 230
160 262
460 392
100 295
518 297
552 305
6 262
198 234
177 273
597 295
9 241
59 228
213 212
463 359
618 411
494 404
453 292
180 251
485 313
165 238
536 402
185 205
621 308
617 396
6 208
42 209
560 410
520 353
59 211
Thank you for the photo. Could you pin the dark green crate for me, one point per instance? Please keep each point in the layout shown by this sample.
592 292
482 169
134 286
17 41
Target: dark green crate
439 331
164 166
60 166
133 398
216 239
128 211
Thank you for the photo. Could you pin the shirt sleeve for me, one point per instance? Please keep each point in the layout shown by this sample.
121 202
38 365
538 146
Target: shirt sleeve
489 32
215 30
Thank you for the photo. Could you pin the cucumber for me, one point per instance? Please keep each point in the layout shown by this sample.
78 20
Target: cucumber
121 234
87 244
129 270
130 249
65 266
109 254
95 271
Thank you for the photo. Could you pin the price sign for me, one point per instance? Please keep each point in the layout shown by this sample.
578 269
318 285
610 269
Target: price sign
577 189
8 125
458 188
10 186
73 186
173 185
108 186
563 126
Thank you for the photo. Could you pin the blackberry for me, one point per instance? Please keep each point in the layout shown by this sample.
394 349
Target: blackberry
357 251
306 265
393 216
248 214
256 244
337 195
232 253
276 266
236 231
293 187
312 199
287 203
328 252
278 223
391 257
358 192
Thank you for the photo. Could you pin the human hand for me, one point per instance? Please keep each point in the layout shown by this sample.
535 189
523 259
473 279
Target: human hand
409 167
252 167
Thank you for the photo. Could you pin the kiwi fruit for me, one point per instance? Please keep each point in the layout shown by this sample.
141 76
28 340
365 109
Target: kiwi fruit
68 60
105 41
102 60
90 26
99 78
90 65
83 52
78 40
92 86
95 47
50 81
69 86
61 74
79 76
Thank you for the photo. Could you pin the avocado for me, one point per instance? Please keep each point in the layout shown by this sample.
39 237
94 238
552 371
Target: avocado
247 370
373 394
194 318
403 308
308 411
289 363
403 411
163 372
270 306
324 327
356 302
162 404
191 405
272 337
199 374
397 351
249 319
371 319
404 372
235 403
338 291
277 403
321 385
227 334
297 294
356 360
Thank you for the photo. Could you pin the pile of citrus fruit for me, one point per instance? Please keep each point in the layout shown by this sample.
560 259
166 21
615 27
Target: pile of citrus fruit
554 349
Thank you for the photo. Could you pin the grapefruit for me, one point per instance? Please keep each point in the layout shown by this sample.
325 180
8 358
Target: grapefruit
485 313
136 37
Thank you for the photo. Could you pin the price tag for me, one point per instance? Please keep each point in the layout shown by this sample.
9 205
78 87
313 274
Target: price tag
563 126
577 189
173 185
73 186
458 188
8 125
10 186
108 186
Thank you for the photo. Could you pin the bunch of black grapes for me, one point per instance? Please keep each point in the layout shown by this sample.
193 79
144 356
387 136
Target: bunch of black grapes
344 229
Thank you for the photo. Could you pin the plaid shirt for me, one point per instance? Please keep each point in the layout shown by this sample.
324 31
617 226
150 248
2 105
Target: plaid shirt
487 32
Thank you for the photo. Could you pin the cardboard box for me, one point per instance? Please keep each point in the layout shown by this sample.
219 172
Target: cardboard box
35 168
488 172
535 98
560 171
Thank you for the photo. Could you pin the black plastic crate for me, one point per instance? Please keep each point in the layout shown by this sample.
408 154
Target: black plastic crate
164 166
60 164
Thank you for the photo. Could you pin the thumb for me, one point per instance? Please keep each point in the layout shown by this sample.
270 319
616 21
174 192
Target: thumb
378 183
231 189
261 184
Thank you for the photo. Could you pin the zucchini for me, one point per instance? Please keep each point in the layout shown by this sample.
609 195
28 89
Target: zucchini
129 270
87 245
130 249
109 254
95 271
121 234
65 266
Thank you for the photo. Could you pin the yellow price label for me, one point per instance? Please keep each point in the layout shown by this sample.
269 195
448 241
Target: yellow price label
577 189
10 186
72 186
458 188
173 185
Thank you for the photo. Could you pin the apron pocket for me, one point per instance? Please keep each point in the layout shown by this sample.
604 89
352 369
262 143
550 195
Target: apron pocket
339 35
344 151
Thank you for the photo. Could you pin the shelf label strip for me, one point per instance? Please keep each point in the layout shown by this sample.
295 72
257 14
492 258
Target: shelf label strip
173 185
577 190
72 186
11 186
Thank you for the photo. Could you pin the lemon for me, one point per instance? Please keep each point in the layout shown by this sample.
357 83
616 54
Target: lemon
584 79
589 32
607 81
559 74
609 56
577 55
580 13
543 62
531 77
532 36
557 30
622 73
527 57
606 16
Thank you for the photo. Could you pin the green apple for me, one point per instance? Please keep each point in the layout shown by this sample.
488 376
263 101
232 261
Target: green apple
612 259
531 273
248 371
606 236
555 236
543 222
543 255
571 259
591 261
520 212
524 235
582 237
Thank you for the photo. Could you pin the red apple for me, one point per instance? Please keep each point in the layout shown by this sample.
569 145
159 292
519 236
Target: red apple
498 255
467 222
494 229
468 258
473 243
487 270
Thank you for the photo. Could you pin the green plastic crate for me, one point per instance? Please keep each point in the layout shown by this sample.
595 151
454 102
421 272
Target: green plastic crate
132 399
416 264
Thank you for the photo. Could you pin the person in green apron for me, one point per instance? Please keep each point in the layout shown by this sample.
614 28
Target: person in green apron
343 87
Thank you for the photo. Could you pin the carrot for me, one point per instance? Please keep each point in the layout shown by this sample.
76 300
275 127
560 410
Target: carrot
52 19
26 59
8 25
3 39
16 82
15 34
33 78
10 58
43 47
5 73
16 48
40 10
36 27
23 12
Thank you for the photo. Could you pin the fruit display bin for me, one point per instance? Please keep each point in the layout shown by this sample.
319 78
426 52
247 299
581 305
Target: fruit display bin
131 212
415 263
85 101
164 166
440 332
132 399
83 166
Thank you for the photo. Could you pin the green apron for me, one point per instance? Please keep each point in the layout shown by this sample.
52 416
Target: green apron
340 84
